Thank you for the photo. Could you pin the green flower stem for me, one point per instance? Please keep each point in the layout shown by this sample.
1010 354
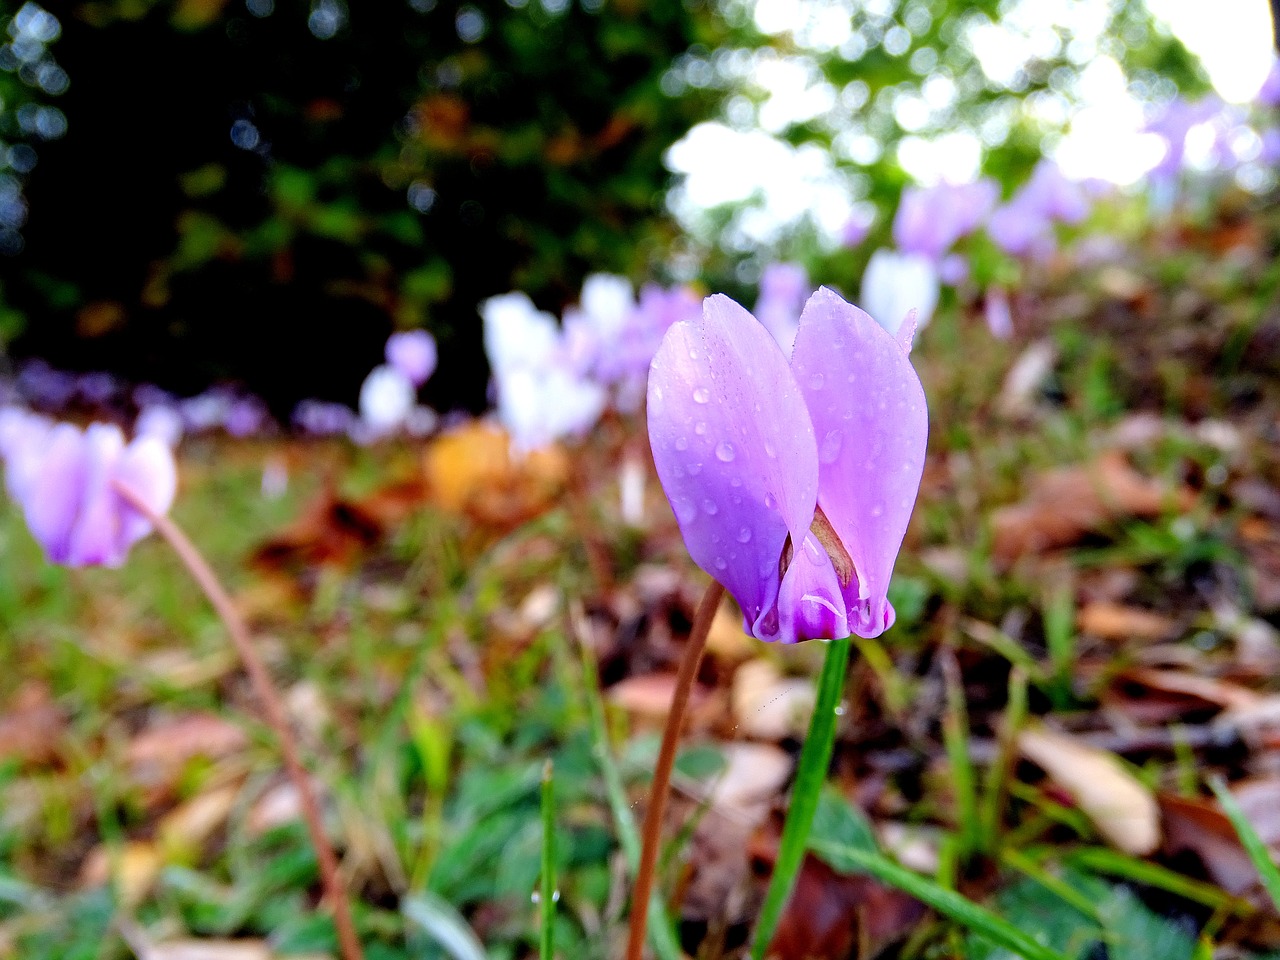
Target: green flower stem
815 758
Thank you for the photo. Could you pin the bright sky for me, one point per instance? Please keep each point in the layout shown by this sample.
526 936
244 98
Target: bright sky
1231 37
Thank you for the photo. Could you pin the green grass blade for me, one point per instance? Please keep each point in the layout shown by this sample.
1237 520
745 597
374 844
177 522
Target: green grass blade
661 930
546 942
815 757
947 902
1253 844
1116 864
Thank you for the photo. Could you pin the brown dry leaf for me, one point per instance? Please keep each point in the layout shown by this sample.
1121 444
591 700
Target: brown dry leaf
649 695
1230 696
31 727
832 916
752 776
471 471
1024 378
1196 827
1064 505
133 870
159 753
768 705
1120 806
144 948
726 638
184 830
1117 621
329 531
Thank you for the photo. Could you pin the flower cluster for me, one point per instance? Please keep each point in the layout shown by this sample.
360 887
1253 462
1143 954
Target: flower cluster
554 380
66 480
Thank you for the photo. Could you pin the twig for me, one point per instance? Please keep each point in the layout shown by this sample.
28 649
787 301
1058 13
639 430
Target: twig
652 832
269 699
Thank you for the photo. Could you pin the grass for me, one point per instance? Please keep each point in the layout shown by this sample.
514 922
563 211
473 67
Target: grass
436 675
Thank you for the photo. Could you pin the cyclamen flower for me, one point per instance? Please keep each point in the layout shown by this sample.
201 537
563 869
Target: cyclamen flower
413 353
542 393
894 284
1023 227
792 482
387 398
65 478
931 219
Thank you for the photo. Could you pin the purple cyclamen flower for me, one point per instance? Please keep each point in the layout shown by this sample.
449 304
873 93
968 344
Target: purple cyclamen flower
931 219
65 478
784 288
792 482
894 284
413 353
1172 124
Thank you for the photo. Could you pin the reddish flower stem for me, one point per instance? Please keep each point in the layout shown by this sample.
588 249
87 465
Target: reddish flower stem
651 835
273 708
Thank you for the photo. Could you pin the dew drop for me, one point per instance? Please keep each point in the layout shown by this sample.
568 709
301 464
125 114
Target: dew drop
744 535
710 507
769 450
686 512
724 451
830 448
816 381
701 395
720 563
695 469
877 510
771 501
693 354
735 481
700 427
682 443
841 710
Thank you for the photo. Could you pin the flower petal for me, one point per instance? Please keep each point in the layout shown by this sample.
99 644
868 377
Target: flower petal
735 452
95 538
871 422
53 490
811 605
146 467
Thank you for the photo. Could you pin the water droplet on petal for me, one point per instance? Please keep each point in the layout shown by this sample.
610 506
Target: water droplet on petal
744 535
816 381
830 448
695 469
720 563
711 507
771 501
700 427
735 481
686 512
693 354
877 510
701 395
769 450
682 443
724 451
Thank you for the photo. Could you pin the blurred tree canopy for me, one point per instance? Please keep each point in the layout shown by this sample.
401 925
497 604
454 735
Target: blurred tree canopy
262 189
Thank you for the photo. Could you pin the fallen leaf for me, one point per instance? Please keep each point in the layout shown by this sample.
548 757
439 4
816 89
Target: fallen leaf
158 754
768 705
752 776
649 695
31 726
1064 505
185 830
1196 827
1120 806
1116 621
726 638
280 805
833 916
471 470
132 870
1025 377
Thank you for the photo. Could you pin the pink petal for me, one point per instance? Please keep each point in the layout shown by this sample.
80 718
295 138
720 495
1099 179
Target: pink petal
146 467
735 452
871 426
